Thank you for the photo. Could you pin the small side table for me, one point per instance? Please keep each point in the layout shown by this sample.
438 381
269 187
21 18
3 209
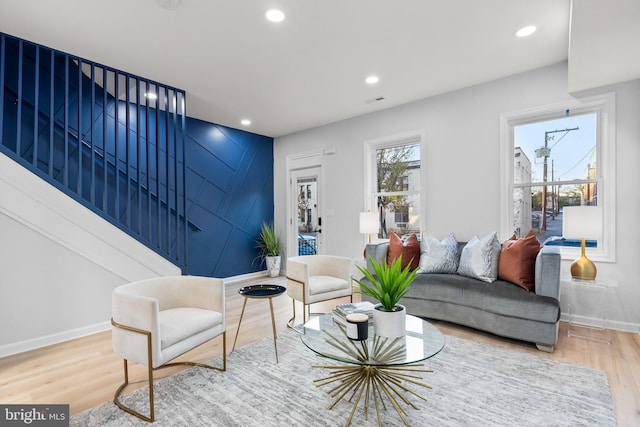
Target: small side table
588 292
260 291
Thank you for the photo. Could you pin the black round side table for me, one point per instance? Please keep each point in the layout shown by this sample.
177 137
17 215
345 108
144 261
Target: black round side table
260 291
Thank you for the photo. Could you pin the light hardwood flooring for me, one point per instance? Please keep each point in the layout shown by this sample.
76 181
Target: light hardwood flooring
85 372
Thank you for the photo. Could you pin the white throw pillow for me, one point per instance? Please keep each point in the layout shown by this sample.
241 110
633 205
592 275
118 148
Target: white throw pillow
479 258
438 256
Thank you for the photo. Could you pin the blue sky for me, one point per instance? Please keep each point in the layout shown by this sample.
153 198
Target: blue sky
571 152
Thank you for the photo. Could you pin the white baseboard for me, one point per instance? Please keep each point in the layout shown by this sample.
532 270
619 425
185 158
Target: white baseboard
623 326
242 277
608 324
32 344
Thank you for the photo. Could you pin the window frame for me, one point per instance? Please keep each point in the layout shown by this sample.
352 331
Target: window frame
370 169
604 107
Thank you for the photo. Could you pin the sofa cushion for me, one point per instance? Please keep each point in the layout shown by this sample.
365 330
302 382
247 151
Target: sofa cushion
479 258
438 256
409 250
517 260
499 297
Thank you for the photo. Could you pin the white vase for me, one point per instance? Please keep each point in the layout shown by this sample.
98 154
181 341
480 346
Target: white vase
390 324
273 265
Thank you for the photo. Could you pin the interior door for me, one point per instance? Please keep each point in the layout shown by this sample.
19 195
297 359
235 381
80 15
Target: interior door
306 213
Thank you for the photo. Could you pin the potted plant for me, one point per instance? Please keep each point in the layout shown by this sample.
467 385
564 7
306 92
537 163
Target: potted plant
388 285
269 246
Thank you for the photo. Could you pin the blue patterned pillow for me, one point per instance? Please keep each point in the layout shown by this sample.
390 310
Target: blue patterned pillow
479 258
438 256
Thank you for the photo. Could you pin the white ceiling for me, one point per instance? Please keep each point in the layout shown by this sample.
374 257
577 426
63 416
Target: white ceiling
308 70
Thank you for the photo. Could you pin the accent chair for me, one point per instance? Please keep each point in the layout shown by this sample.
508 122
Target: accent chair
316 278
156 320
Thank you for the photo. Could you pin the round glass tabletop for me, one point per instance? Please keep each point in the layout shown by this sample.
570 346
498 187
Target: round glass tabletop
327 338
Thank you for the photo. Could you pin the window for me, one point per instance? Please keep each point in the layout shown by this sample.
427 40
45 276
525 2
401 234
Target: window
556 157
402 215
393 183
306 203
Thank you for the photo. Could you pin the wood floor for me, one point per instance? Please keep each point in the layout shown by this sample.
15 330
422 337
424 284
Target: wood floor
85 372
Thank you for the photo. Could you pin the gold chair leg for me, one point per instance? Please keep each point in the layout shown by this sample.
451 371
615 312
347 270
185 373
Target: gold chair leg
116 397
290 321
304 313
151 417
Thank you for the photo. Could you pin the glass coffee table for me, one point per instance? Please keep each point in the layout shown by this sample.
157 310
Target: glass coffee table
380 369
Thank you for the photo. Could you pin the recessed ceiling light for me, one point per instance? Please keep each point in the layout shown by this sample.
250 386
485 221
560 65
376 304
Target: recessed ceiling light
151 95
245 122
275 15
371 80
526 31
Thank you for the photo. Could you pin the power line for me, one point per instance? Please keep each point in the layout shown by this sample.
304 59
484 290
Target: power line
560 139
579 161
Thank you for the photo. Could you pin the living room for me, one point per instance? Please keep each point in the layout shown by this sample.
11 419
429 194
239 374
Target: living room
463 139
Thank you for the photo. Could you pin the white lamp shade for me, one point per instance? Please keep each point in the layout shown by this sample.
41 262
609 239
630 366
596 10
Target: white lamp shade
580 222
368 222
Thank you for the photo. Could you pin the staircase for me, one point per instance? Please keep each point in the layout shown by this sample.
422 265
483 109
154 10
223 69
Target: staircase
90 131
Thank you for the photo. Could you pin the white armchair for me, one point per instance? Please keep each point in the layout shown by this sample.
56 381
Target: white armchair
156 320
316 278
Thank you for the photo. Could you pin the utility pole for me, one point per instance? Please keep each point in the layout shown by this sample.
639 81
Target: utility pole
554 207
546 152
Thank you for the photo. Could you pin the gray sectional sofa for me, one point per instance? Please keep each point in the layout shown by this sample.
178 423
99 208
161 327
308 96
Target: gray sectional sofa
501 307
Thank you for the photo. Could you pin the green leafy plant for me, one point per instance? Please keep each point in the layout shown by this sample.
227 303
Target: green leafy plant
268 242
389 283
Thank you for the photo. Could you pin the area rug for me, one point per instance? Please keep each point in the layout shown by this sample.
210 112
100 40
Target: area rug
473 384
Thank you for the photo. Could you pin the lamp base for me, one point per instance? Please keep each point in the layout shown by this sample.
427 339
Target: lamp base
583 268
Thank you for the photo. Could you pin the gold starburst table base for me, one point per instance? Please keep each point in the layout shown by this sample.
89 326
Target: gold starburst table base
378 383
377 372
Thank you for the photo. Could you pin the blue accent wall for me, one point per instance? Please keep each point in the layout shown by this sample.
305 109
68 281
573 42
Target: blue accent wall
193 191
229 178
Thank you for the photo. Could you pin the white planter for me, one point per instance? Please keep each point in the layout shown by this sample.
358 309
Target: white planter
273 265
390 324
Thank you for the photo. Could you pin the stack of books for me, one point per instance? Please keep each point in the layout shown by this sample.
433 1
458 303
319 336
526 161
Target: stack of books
341 311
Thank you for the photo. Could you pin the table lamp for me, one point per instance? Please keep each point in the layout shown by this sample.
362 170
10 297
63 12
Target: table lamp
368 223
584 222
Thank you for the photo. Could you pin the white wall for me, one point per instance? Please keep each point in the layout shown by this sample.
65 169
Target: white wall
59 263
461 169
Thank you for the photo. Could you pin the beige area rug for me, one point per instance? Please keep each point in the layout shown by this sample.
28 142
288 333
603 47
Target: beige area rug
474 384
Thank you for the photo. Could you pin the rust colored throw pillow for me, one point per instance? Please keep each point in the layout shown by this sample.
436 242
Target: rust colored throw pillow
518 260
409 249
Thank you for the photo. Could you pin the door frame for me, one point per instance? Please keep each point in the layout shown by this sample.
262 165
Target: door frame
296 163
